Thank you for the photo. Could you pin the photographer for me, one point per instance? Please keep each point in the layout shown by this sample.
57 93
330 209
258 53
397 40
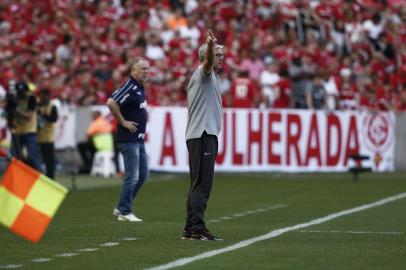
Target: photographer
22 120
47 116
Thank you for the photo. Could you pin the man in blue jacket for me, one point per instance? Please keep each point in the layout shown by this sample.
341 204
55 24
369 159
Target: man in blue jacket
129 106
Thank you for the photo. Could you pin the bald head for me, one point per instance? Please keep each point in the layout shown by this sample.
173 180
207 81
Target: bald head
140 69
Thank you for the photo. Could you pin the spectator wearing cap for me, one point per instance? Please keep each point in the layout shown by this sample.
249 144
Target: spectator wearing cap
24 126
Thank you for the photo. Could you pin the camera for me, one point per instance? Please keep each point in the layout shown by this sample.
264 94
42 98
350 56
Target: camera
15 91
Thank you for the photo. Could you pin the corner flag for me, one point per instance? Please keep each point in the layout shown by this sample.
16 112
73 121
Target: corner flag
28 200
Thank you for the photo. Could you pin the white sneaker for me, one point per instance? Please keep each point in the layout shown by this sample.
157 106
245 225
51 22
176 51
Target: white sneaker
116 212
130 217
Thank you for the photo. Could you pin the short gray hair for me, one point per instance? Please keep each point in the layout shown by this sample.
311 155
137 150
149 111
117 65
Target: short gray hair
203 49
137 60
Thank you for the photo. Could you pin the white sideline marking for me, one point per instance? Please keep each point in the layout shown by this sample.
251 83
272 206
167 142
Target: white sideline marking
350 232
88 249
71 254
40 260
66 254
246 213
275 233
109 244
11 266
129 239
214 221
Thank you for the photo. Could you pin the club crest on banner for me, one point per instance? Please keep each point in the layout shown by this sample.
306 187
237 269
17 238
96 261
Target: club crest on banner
378 132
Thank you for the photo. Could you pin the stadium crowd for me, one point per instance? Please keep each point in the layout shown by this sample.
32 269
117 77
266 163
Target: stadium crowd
337 54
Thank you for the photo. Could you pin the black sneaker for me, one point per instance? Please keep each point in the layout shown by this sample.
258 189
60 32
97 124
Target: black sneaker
204 235
187 233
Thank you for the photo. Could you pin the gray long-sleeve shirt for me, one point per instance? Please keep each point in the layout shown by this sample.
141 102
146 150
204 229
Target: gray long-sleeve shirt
205 111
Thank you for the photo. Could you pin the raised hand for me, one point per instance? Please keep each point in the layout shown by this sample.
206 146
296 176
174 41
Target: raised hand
211 39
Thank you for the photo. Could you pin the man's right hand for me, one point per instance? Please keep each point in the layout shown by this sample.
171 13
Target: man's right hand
211 39
131 126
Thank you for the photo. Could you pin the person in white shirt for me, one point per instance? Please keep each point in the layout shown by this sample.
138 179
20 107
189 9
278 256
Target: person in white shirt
267 79
154 51
330 85
190 31
374 27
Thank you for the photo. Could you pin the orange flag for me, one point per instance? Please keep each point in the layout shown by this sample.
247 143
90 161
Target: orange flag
28 200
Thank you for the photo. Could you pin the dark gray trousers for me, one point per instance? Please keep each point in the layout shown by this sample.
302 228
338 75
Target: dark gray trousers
202 156
48 157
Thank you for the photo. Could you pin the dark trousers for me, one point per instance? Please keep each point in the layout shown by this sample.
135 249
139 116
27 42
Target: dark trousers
29 142
86 151
48 157
202 156
116 153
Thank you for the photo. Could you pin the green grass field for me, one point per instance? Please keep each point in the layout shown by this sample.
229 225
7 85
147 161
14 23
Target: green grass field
85 235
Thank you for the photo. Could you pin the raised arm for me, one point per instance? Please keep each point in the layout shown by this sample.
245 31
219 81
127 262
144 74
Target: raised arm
209 58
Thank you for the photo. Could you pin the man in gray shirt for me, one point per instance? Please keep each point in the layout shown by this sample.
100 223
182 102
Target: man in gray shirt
301 71
205 115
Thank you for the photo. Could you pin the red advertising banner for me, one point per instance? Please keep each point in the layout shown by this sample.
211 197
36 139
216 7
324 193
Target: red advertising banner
278 140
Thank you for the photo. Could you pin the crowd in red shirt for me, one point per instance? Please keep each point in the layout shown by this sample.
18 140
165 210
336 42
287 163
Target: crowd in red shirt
83 50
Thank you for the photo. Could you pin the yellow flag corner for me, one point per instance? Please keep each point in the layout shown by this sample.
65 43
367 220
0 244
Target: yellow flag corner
28 200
